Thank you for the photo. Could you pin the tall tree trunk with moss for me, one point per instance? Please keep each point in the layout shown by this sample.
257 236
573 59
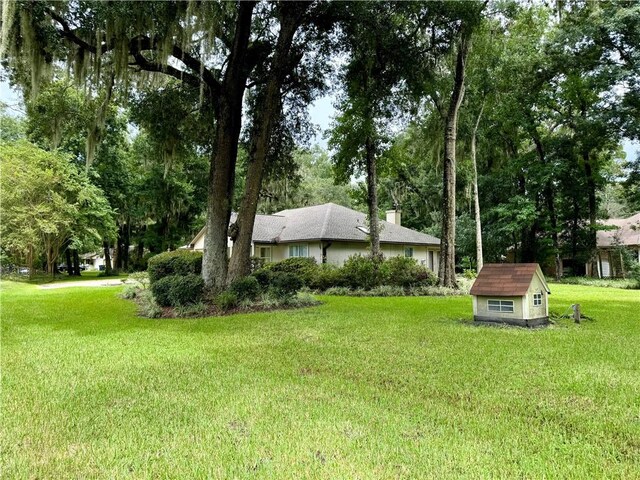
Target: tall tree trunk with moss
223 158
269 110
476 197
447 273
593 211
372 198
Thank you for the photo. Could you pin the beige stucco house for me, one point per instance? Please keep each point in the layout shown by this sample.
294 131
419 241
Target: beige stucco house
331 233
511 293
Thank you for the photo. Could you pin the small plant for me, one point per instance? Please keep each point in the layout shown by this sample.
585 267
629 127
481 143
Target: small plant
147 307
129 292
246 288
195 310
387 291
285 285
226 301
140 279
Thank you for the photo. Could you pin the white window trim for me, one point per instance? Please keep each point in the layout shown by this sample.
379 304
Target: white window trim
266 259
404 251
537 299
306 245
504 306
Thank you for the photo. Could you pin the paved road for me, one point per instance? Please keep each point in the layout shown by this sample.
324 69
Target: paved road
107 282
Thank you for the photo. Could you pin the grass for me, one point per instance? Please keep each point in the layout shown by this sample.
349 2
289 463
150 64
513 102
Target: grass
632 283
355 388
39 279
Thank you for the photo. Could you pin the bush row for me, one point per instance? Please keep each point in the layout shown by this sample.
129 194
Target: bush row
358 272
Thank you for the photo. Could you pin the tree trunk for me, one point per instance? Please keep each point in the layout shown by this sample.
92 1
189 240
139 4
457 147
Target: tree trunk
372 198
593 210
447 274
223 158
270 109
476 197
67 254
76 263
107 258
126 241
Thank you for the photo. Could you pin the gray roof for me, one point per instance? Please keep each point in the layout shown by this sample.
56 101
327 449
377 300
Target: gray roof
328 222
624 231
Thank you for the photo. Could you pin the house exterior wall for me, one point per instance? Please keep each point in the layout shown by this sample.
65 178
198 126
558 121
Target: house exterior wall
481 308
339 252
531 310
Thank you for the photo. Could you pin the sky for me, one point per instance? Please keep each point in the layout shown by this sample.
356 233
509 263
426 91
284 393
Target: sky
321 113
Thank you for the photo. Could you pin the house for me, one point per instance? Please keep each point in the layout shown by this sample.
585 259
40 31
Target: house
621 232
331 233
511 293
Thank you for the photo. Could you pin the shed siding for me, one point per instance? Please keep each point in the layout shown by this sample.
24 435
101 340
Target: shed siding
482 309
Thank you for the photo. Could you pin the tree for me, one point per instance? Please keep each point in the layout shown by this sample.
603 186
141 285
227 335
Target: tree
210 42
47 203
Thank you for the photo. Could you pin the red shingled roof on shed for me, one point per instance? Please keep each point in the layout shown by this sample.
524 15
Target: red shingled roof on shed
505 279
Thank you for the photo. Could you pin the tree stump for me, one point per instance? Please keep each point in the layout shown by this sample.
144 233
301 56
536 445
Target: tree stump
576 312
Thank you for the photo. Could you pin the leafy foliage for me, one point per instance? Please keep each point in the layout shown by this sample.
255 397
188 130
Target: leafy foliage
178 262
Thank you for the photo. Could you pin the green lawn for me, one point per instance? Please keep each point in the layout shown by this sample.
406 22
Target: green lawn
355 388
62 277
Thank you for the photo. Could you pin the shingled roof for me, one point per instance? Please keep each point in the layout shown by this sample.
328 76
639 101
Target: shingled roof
327 222
506 279
625 231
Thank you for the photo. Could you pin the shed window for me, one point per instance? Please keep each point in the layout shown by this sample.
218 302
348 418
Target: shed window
537 299
500 306
300 250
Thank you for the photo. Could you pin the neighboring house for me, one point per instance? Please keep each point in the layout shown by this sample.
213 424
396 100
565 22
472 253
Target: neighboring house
331 234
93 261
623 232
512 293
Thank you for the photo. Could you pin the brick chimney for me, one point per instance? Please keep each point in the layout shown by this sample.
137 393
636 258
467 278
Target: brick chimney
394 216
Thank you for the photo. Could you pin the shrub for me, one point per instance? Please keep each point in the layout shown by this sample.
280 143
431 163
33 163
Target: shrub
360 271
140 279
256 263
186 289
326 276
405 272
285 285
160 290
147 306
226 301
338 291
263 276
195 310
178 262
304 267
387 291
178 290
246 288
129 292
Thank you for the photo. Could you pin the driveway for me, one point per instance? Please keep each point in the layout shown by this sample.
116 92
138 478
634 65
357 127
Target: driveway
107 282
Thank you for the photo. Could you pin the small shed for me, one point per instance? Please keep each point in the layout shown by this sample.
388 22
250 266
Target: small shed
511 293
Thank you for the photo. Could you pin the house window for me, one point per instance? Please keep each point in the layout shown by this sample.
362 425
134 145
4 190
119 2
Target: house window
408 252
537 299
264 253
500 306
300 250
431 265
